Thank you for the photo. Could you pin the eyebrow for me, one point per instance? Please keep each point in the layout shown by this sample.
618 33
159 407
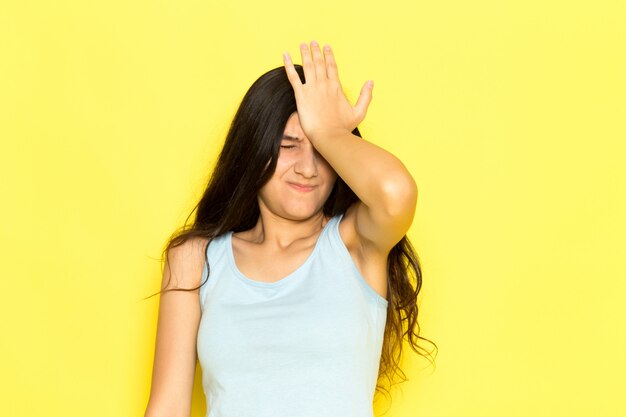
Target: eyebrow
287 137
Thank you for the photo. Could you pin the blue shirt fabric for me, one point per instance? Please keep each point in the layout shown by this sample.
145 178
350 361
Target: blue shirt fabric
307 345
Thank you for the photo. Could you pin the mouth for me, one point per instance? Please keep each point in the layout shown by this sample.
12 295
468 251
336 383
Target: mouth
302 188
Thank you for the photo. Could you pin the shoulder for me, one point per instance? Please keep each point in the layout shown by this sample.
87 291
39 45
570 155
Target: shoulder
184 264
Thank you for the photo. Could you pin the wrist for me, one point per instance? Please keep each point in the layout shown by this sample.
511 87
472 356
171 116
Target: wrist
322 134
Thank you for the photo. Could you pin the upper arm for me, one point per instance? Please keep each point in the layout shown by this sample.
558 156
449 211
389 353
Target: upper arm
380 228
177 329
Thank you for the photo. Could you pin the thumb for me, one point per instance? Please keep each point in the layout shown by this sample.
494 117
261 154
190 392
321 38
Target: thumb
365 97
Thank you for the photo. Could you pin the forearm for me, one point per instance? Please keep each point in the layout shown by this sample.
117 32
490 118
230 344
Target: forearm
376 176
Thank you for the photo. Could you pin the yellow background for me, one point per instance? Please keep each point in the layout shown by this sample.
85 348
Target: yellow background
509 115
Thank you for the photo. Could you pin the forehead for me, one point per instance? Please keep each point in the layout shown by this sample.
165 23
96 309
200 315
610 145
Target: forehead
293 127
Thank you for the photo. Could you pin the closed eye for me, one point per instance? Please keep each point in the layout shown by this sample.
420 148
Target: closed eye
288 147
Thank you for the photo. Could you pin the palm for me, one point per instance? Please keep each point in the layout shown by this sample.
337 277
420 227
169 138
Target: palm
322 105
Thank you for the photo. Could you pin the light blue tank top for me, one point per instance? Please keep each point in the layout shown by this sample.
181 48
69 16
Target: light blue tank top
307 345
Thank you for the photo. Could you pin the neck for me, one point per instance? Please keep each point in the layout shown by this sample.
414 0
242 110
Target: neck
280 232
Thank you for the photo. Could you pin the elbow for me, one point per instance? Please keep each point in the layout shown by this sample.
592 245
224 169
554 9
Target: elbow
400 196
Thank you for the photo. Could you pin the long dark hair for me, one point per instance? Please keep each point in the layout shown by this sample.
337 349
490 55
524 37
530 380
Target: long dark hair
246 162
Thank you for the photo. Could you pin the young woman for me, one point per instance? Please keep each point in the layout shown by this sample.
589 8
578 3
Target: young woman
292 286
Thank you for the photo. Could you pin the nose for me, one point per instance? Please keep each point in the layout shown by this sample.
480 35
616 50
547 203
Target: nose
306 164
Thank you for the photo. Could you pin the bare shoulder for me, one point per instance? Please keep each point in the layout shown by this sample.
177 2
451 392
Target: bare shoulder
184 263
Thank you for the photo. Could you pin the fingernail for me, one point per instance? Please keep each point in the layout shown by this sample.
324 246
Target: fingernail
314 43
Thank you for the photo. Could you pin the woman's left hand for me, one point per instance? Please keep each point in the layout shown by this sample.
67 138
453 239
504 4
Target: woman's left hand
323 108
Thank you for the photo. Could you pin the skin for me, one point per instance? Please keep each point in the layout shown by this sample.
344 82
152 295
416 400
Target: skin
290 222
387 192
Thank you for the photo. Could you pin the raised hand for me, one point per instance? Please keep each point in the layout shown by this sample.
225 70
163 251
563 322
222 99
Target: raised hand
323 108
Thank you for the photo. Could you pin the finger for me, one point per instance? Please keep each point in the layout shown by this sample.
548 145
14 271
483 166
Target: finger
318 61
292 74
362 103
307 63
331 65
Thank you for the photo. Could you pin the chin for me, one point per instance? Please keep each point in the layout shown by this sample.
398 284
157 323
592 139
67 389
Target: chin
302 213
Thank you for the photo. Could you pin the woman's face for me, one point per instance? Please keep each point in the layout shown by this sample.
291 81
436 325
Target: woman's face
298 163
